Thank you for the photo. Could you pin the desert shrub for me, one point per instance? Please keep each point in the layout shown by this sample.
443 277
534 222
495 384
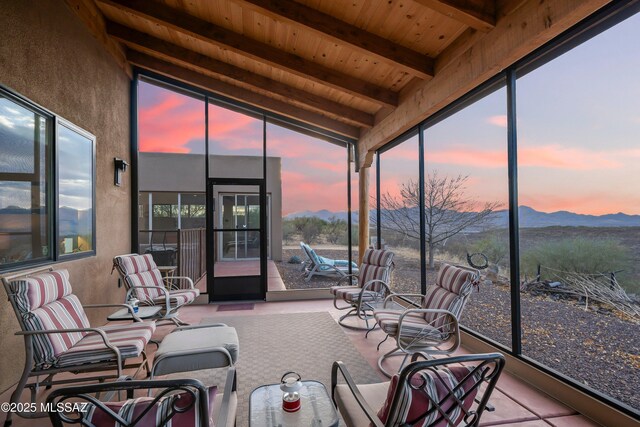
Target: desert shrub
288 230
309 228
576 255
494 247
335 230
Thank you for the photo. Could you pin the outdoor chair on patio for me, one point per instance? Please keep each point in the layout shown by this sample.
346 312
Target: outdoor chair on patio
317 265
440 392
144 281
372 286
178 402
432 326
58 337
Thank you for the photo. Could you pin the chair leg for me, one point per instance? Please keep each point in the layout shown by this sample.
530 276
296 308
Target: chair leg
179 322
393 353
15 396
353 312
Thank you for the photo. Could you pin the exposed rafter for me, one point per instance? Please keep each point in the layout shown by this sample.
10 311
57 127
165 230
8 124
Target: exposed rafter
206 31
473 13
261 101
171 52
330 27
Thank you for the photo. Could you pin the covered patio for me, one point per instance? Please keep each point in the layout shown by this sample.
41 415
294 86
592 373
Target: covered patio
220 137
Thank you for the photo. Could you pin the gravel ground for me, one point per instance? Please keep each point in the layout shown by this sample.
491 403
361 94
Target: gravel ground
595 347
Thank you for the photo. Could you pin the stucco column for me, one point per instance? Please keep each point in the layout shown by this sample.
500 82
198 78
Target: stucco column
363 212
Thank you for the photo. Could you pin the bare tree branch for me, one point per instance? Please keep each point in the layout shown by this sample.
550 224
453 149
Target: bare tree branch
448 211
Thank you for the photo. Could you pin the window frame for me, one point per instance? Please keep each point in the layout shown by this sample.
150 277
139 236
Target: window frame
61 122
51 184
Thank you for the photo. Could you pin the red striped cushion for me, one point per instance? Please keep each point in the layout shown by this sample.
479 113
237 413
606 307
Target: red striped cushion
65 313
129 338
134 263
417 410
140 270
130 409
379 257
439 298
352 294
36 291
454 279
413 324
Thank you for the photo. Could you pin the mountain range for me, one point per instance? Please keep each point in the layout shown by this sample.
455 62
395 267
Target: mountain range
528 217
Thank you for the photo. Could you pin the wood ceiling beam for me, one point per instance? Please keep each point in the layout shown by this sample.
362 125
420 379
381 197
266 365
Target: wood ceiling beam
243 95
92 18
477 14
524 30
171 52
207 32
327 26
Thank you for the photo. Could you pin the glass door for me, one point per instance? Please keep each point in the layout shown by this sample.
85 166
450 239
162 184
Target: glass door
237 242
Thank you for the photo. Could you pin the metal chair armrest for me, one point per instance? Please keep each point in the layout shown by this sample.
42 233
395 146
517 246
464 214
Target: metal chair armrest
454 321
346 276
162 290
394 295
368 285
100 332
211 325
181 279
369 412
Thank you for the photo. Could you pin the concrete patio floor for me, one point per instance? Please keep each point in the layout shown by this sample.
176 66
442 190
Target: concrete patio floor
517 403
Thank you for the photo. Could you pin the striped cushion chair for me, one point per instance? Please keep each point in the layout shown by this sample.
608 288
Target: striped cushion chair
432 328
434 393
58 336
143 280
372 286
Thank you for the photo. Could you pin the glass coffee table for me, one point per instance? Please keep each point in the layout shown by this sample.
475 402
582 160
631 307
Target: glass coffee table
316 409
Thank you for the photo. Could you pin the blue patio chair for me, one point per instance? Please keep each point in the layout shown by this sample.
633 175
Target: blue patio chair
317 265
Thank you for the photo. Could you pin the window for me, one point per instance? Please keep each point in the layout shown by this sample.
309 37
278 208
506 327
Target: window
75 189
29 192
400 212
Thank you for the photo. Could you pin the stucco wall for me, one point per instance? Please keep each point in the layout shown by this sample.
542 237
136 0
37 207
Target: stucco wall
47 55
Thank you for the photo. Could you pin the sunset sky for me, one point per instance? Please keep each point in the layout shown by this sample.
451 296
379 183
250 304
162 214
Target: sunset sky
578 137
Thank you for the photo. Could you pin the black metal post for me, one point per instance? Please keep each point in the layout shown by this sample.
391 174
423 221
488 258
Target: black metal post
133 136
378 225
349 225
421 209
514 244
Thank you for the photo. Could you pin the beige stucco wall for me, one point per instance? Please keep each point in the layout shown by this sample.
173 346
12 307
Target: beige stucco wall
48 56
186 173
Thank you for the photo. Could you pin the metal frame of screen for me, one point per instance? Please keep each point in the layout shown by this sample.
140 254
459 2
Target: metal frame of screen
600 21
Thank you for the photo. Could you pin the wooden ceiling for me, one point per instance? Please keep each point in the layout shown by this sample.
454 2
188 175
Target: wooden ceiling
341 65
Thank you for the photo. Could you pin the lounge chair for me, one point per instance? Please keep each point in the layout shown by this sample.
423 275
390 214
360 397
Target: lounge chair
143 280
320 266
58 337
439 392
372 285
431 327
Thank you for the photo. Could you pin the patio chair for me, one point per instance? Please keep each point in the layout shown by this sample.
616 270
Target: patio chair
144 281
178 402
372 286
431 327
439 392
58 337
317 265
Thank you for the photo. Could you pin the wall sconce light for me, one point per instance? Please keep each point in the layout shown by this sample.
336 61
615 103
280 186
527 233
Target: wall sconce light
120 166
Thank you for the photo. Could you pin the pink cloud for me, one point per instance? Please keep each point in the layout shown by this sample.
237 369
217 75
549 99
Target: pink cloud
500 121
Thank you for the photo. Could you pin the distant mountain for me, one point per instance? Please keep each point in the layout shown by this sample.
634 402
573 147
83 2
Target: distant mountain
529 218
323 214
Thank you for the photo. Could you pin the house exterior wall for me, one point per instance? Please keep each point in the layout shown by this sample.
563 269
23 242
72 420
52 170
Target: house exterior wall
49 56
185 173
